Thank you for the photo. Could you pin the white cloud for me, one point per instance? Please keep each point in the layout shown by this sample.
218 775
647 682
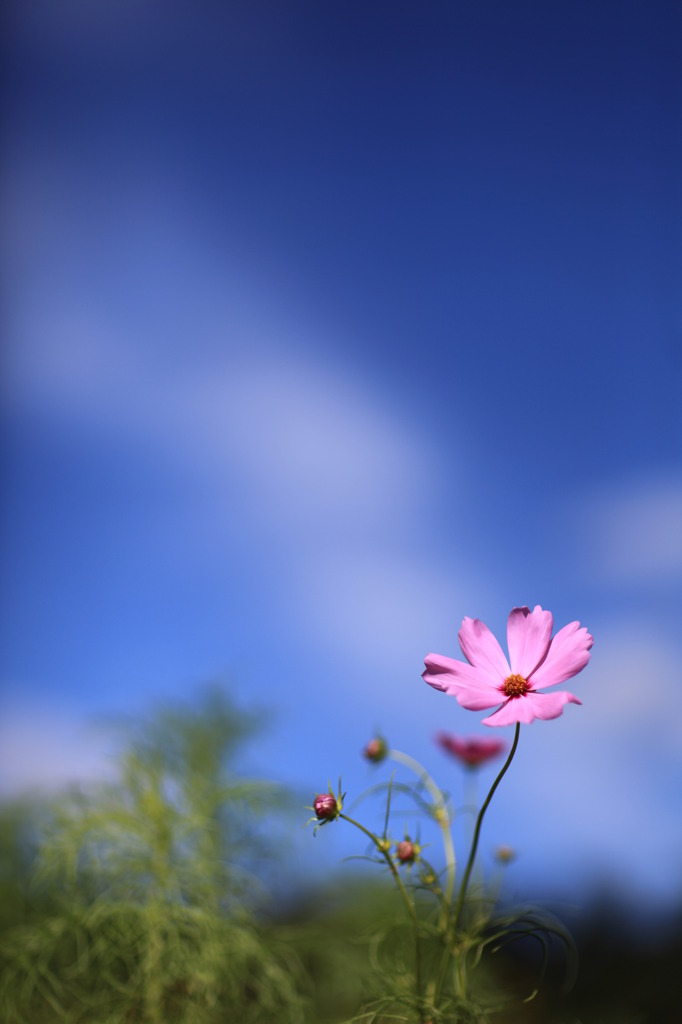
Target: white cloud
198 367
307 439
633 532
602 779
295 449
301 434
379 612
46 751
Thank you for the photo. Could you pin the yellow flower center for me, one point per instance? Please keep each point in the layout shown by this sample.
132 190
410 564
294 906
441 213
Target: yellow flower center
515 686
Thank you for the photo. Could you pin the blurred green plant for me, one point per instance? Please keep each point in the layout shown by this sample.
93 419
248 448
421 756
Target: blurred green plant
146 891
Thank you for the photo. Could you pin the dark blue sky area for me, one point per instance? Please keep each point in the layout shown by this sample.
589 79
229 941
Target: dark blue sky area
477 192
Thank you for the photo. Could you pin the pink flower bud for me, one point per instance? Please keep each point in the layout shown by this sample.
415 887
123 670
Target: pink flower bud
406 851
325 806
376 750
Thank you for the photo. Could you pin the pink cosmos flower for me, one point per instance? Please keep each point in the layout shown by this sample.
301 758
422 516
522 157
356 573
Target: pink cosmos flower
536 659
472 751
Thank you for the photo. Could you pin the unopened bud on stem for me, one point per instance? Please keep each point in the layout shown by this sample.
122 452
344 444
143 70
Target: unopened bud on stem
326 806
407 851
376 750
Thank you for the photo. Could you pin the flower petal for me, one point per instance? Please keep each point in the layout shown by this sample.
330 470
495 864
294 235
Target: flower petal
471 686
568 653
551 705
516 709
481 649
531 706
528 637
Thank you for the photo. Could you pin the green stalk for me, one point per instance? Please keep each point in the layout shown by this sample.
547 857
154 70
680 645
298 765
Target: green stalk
443 819
403 892
454 924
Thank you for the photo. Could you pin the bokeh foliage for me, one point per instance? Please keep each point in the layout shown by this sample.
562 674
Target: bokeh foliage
140 905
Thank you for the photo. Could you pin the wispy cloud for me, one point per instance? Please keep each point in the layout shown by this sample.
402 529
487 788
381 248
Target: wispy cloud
44 751
632 532
298 439
317 469
320 477
609 766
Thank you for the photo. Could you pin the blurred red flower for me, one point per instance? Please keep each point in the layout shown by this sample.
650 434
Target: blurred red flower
471 750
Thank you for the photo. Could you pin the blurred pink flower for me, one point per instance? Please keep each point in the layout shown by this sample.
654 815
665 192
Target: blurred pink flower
472 750
536 659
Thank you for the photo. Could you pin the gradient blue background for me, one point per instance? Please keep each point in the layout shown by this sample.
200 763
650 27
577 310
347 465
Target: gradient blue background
327 324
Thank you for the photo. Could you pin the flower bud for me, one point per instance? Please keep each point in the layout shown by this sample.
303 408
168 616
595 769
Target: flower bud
325 806
406 851
376 750
505 854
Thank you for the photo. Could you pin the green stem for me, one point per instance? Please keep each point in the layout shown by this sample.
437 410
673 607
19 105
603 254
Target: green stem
443 819
403 892
452 931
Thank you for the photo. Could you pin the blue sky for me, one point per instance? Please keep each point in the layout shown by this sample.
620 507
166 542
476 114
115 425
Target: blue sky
327 326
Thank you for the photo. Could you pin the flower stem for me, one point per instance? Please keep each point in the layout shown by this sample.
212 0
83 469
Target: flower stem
459 906
443 819
403 892
477 830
